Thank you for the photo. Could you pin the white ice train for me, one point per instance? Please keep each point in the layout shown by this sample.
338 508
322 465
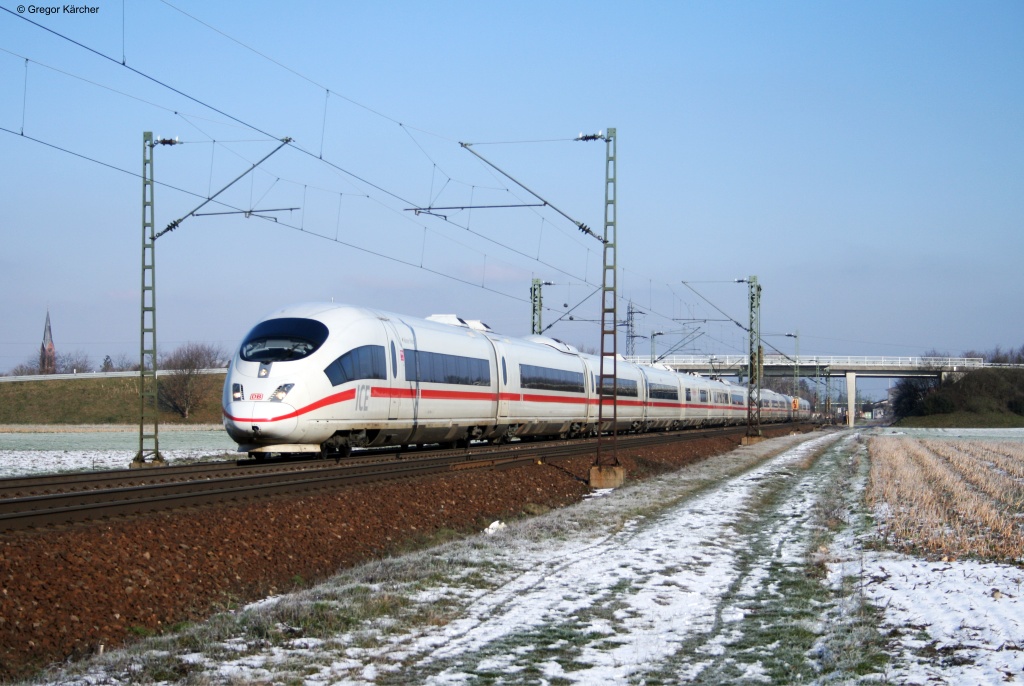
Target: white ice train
324 378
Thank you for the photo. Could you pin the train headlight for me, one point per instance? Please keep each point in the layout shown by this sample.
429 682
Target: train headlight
237 392
281 392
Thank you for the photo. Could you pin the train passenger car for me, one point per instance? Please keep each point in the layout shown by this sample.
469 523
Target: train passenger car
664 405
720 403
547 388
326 377
737 410
803 410
696 393
774 406
630 395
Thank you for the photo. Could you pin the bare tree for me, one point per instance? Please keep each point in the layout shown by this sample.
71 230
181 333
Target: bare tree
121 363
124 362
28 368
998 355
179 384
76 362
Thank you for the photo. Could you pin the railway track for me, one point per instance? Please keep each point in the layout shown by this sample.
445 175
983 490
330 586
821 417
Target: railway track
41 501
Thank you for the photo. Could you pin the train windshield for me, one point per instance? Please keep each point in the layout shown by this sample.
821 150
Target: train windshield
281 340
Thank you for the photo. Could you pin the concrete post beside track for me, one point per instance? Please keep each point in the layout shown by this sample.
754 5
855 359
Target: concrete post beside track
851 398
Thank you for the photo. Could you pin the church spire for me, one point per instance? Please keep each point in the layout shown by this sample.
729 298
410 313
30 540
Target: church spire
47 353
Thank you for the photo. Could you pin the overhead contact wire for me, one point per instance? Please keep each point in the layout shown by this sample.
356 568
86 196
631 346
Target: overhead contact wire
247 124
276 222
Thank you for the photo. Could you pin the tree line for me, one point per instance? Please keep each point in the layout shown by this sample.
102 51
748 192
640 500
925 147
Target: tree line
982 390
185 356
999 356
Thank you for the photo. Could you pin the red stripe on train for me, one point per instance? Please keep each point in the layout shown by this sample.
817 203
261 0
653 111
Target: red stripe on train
323 402
429 394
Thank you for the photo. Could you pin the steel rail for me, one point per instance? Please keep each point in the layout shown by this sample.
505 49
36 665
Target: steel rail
243 483
61 508
41 484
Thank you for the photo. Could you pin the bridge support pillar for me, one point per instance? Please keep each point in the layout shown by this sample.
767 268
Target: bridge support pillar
851 397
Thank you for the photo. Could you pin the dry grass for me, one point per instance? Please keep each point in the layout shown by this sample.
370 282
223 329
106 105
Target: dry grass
956 499
96 400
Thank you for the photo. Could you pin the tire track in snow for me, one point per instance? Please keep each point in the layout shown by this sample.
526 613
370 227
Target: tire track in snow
675 569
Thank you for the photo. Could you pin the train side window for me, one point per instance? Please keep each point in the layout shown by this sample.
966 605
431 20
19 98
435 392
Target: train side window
394 361
626 387
688 397
431 367
663 391
504 372
703 395
464 373
623 387
365 362
548 379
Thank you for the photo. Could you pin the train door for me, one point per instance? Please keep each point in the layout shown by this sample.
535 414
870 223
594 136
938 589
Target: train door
401 393
643 386
501 363
590 369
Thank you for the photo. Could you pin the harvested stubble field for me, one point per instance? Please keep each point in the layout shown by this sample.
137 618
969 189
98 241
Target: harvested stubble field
949 498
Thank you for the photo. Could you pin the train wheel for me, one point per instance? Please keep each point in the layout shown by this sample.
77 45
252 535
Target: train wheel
340 453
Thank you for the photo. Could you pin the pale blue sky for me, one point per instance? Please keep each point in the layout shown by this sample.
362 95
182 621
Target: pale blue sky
864 160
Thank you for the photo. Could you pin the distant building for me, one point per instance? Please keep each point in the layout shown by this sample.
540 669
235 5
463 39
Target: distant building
47 353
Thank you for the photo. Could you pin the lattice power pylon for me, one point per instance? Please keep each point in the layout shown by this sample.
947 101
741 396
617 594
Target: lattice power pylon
149 419
756 353
606 470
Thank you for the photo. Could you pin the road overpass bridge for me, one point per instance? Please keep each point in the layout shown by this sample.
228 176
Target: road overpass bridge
822 365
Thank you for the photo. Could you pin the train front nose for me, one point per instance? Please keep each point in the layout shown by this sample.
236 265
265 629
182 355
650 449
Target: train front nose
260 422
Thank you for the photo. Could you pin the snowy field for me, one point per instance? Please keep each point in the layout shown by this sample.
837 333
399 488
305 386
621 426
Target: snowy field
748 568
41 450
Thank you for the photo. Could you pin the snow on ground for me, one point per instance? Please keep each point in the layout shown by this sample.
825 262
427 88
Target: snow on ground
633 597
25 463
950 622
28 451
666 581
954 622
